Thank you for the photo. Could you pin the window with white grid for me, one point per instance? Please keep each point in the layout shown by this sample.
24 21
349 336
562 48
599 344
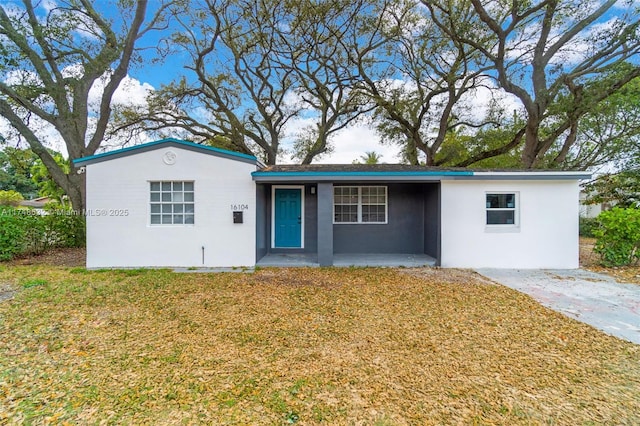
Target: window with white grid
172 203
360 204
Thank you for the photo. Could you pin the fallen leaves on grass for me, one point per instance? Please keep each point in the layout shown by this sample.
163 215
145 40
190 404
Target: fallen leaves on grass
308 346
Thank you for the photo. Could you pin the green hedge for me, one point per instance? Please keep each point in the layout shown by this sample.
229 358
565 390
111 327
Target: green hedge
24 231
587 226
618 236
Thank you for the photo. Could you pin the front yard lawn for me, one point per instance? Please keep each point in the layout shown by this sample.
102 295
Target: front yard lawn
307 346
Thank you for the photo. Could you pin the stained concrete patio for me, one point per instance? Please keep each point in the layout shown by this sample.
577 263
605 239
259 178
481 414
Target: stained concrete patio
595 299
347 260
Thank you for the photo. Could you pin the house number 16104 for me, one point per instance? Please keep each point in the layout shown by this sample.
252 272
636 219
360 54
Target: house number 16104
239 207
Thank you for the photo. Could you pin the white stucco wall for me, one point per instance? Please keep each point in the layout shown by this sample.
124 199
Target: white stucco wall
546 236
119 233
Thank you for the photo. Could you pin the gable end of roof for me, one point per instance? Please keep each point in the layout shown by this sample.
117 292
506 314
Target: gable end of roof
165 143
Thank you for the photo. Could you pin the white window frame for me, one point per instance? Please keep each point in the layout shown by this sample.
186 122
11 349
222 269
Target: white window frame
172 202
360 204
516 211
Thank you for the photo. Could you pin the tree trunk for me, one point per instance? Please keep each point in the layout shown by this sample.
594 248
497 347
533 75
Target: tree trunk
411 152
271 157
530 152
76 190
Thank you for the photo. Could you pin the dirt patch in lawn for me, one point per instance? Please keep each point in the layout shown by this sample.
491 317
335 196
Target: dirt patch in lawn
591 261
68 257
448 275
307 346
587 256
6 292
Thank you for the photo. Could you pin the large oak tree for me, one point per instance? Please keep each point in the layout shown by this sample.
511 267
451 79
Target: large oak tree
52 57
550 54
418 78
254 67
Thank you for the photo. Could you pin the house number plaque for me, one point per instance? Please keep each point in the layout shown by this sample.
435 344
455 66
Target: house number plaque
239 207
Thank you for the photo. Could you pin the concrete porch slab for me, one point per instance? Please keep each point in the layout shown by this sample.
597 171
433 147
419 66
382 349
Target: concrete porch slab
383 260
390 260
286 260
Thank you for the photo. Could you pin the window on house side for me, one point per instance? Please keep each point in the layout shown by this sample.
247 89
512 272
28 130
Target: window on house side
360 204
172 203
501 209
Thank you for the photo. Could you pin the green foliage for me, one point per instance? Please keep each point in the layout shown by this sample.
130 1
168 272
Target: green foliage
67 227
12 231
40 175
369 157
24 231
10 198
610 131
459 148
587 226
15 171
618 236
621 189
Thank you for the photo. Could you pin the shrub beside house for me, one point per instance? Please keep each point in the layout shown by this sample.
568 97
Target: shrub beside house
25 230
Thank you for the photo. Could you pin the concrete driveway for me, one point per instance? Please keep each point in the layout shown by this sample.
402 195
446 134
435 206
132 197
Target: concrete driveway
592 298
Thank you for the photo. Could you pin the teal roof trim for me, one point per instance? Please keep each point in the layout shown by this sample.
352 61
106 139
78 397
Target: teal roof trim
172 141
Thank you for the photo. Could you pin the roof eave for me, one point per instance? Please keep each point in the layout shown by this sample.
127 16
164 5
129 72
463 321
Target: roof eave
426 176
265 176
532 175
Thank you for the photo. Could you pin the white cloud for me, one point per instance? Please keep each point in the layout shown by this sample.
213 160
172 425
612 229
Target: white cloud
49 5
130 92
43 130
15 77
348 144
475 104
352 142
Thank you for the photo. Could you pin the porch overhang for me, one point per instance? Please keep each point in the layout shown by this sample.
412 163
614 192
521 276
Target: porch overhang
288 176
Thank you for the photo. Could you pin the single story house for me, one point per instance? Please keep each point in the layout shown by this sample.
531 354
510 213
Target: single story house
173 203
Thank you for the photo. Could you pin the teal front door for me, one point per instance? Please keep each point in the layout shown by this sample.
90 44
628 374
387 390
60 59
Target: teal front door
288 218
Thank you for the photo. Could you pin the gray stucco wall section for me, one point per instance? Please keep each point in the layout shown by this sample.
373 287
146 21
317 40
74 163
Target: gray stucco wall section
404 232
325 224
310 220
262 240
432 220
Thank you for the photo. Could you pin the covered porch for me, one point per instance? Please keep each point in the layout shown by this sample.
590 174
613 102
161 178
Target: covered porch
351 215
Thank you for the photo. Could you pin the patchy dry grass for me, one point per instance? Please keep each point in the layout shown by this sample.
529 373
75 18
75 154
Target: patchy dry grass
333 346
